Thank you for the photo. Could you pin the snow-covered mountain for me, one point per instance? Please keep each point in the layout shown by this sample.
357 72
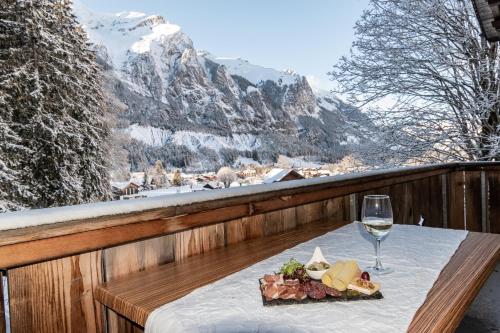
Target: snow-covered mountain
189 107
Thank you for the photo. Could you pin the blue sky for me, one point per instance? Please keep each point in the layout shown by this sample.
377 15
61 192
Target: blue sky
308 36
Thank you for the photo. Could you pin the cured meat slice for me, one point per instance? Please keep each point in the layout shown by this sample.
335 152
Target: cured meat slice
270 291
317 293
301 293
292 282
332 292
272 278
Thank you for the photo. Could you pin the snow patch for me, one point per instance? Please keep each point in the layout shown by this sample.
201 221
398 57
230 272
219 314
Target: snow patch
124 32
196 140
241 160
253 73
251 89
154 136
150 135
158 32
130 15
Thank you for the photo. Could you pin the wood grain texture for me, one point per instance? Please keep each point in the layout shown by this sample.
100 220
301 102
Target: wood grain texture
138 256
199 240
427 201
456 204
458 284
473 200
244 229
138 294
338 209
57 295
120 324
2 313
494 201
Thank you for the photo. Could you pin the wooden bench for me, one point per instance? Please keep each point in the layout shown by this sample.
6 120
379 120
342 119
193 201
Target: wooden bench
137 295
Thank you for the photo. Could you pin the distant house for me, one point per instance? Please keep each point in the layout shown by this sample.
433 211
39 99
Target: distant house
124 188
210 186
281 175
202 187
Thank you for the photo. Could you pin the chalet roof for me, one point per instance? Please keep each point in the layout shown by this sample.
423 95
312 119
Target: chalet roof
488 14
276 175
124 185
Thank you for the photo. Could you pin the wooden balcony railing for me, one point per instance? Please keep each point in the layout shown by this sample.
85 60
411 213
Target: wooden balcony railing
50 270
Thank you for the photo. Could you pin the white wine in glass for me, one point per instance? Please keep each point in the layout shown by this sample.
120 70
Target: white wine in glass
376 216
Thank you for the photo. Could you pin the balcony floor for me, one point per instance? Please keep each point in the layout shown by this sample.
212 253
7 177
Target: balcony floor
484 313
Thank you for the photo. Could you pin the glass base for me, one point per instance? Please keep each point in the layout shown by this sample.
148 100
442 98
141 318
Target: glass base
379 270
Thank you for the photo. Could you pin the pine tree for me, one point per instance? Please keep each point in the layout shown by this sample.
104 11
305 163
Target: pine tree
51 90
18 91
177 178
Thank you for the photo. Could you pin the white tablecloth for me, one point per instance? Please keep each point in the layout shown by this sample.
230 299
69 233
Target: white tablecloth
234 304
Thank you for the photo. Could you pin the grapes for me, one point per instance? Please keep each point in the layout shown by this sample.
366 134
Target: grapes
365 276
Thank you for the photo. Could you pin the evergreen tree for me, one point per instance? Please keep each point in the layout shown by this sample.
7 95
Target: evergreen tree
53 104
177 178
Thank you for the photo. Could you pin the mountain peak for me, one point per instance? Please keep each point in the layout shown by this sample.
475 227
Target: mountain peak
130 15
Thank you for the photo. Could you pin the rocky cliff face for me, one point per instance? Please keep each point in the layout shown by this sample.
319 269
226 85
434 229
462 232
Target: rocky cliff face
190 108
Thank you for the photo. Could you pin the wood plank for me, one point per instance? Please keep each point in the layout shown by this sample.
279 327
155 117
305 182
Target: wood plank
473 200
458 284
130 258
311 212
137 295
427 201
120 324
234 231
273 223
3 327
494 202
244 229
198 240
456 218
134 257
56 296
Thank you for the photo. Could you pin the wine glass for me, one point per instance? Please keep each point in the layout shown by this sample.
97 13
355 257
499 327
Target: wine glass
376 216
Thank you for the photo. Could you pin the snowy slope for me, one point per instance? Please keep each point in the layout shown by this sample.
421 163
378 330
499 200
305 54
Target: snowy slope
253 73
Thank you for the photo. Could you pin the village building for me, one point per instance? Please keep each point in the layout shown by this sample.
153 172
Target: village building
280 175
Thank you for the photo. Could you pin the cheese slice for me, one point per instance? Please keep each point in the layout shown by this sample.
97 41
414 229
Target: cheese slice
363 286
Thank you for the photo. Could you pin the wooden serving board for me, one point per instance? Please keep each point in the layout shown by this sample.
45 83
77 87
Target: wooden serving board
347 296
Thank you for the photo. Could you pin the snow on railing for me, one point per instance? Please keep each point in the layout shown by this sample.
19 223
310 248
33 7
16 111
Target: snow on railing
35 217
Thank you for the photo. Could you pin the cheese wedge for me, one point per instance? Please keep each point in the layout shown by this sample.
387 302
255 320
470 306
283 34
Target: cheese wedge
349 271
341 274
363 286
330 276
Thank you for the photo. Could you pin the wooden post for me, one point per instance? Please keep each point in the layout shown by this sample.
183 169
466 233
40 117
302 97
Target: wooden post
485 225
4 303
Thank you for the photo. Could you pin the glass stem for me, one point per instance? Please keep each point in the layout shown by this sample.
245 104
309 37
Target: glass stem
378 261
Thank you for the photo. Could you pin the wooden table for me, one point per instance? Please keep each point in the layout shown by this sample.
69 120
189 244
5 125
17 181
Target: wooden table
137 295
